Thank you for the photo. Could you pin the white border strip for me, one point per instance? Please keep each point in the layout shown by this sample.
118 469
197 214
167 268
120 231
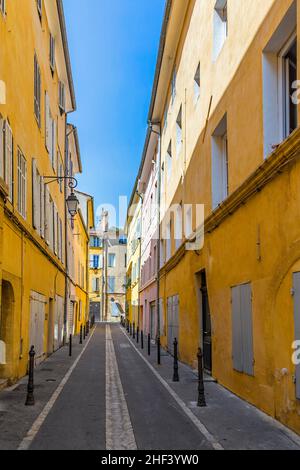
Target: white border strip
200 426
27 441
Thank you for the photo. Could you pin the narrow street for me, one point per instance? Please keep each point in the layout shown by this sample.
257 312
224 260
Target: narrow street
113 397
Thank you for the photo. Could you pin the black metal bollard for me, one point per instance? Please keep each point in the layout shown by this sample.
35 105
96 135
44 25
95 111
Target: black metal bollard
142 339
130 328
84 332
137 335
70 346
127 326
158 350
80 336
149 345
201 395
133 331
175 375
87 328
30 387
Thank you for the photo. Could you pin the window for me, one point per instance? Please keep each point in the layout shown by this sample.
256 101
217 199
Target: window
173 84
52 53
61 174
197 84
279 80
37 91
288 64
8 159
39 7
168 240
111 260
96 261
242 329
95 242
123 240
50 134
111 284
179 132
166 117
21 184
169 161
62 97
220 26
220 188
178 226
3 6
188 221
96 284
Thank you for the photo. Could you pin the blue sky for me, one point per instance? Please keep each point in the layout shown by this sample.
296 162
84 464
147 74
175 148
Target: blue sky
113 46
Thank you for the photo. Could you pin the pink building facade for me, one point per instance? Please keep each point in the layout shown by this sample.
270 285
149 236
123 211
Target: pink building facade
149 256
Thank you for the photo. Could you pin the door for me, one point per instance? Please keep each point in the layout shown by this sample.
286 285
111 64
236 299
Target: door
173 321
37 323
152 321
206 325
50 347
296 283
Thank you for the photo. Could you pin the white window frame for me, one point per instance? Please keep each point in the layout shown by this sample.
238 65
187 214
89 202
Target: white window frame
22 185
220 27
220 174
283 100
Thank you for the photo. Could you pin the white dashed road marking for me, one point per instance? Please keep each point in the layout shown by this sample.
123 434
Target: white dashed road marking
200 426
119 431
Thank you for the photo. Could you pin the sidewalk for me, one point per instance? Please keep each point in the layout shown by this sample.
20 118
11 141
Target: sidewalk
234 423
16 419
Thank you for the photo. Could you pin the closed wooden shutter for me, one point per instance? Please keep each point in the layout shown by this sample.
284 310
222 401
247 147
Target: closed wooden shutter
42 206
55 231
242 329
35 197
296 282
51 225
47 122
47 214
2 129
9 159
54 145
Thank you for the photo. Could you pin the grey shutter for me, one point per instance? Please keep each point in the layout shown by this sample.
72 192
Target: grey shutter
47 121
1 148
35 198
296 277
42 206
47 214
247 328
237 351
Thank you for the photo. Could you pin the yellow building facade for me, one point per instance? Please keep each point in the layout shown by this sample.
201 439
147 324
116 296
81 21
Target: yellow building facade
224 97
36 96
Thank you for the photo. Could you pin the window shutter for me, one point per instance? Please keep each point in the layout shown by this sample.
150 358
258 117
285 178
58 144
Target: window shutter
55 230
1 148
35 197
47 121
47 214
247 328
9 159
237 351
51 225
42 206
54 145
